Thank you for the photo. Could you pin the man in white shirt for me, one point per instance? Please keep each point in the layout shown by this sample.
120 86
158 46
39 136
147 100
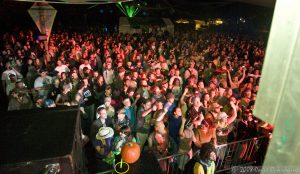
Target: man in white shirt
85 64
60 68
42 82
108 74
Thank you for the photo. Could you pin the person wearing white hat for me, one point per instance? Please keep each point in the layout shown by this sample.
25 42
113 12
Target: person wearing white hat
103 144
224 122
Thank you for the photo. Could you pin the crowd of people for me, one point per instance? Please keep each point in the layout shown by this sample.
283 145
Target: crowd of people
170 94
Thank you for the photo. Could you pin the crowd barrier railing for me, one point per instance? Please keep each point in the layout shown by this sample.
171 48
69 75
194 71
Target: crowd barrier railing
238 153
241 153
234 154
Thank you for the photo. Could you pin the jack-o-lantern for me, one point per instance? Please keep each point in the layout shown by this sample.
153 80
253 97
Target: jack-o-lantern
130 152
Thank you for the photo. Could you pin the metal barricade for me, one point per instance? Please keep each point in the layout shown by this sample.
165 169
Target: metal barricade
174 163
238 153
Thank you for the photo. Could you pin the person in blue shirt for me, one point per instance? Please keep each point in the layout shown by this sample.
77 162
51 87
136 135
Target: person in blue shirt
174 124
170 105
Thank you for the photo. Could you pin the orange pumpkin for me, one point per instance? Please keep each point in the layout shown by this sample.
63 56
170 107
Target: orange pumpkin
130 152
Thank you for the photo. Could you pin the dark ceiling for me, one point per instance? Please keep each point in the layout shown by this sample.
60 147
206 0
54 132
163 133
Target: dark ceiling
266 3
255 10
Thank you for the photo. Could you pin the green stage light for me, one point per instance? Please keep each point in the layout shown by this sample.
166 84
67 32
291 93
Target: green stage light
130 10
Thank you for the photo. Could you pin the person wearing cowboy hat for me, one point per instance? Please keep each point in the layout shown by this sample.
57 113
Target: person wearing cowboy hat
103 142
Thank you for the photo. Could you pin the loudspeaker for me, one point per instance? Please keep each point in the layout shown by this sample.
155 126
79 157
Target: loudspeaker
41 141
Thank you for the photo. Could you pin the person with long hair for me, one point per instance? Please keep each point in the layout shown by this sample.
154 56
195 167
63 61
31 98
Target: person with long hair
119 140
205 163
205 100
161 143
186 138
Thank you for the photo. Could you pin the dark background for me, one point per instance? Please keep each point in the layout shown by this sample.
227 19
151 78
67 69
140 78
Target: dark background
258 16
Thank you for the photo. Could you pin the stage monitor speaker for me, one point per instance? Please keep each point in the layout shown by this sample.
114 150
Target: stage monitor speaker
41 141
